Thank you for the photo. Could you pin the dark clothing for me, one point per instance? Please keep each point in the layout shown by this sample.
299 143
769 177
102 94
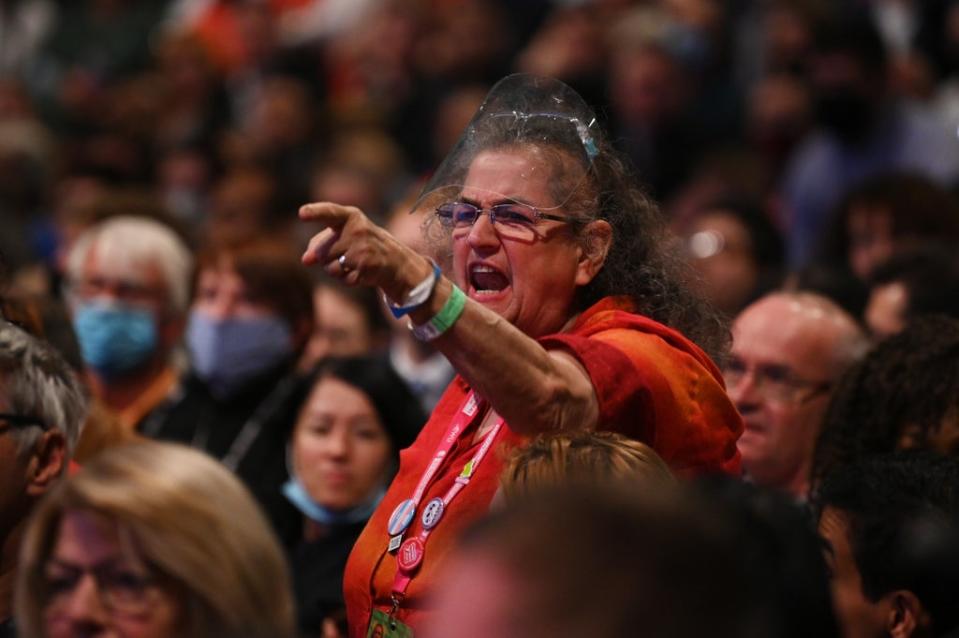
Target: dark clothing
318 568
7 630
248 432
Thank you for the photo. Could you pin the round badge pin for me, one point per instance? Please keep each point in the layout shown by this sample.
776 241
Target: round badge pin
432 513
401 517
411 554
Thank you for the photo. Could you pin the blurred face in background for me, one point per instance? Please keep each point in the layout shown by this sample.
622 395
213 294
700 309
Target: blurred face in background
122 315
343 322
232 336
341 451
647 87
222 293
858 616
721 252
240 206
886 309
871 239
780 113
99 585
341 328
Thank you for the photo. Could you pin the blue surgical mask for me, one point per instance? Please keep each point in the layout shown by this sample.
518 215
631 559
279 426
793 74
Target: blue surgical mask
226 353
297 494
114 338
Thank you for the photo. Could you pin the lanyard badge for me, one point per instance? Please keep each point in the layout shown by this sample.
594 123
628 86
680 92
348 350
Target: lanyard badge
383 625
410 552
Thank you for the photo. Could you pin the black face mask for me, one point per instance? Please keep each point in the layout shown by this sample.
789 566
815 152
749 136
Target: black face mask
846 114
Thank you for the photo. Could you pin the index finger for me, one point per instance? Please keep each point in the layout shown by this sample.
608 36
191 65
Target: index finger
326 213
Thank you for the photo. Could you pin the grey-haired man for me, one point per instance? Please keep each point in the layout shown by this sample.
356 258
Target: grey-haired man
42 409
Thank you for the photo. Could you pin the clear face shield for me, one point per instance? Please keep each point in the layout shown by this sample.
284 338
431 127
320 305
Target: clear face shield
557 137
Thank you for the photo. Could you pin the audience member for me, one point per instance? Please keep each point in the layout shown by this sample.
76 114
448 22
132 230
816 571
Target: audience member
789 349
830 117
651 98
779 546
242 207
913 283
152 539
249 321
888 214
584 458
628 565
891 526
129 290
90 47
42 408
574 319
359 167
737 251
780 113
903 394
48 319
347 322
862 131
343 453
661 564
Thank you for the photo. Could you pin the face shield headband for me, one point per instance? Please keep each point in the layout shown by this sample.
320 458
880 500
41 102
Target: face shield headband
522 111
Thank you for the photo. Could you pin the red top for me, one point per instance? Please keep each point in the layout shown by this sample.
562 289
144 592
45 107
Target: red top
652 384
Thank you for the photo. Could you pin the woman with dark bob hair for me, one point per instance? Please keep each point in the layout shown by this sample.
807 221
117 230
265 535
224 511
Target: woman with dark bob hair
343 453
154 540
564 310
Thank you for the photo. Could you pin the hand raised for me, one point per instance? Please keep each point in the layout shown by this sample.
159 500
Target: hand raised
355 250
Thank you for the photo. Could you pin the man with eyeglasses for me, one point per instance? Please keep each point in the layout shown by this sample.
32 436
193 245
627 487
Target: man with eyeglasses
128 291
42 408
788 351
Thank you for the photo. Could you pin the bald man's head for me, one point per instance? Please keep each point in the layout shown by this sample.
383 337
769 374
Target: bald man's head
788 350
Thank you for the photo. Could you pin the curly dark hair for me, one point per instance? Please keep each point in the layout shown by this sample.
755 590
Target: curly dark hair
780 547
645 261
930 274
910 380
917 207
902 517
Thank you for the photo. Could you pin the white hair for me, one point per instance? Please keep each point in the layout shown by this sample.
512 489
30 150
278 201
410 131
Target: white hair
129 243
36 381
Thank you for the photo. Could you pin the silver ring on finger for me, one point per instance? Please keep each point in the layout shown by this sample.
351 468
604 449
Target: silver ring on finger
343 265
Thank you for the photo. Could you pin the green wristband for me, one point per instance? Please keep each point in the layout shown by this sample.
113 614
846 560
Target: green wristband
444 319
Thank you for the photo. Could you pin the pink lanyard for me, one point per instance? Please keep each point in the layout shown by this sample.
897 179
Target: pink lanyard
411 551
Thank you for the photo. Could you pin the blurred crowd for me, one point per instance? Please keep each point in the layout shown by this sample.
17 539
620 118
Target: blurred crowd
783 138
153 155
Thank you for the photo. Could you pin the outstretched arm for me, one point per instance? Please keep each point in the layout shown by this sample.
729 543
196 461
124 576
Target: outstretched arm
533 389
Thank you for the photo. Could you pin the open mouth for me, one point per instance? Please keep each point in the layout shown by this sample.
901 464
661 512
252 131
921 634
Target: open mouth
486 281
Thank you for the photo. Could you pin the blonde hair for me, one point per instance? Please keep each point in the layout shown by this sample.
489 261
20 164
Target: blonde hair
192 520
585 458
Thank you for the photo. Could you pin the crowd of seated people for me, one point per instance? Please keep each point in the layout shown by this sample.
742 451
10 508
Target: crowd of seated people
658 335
